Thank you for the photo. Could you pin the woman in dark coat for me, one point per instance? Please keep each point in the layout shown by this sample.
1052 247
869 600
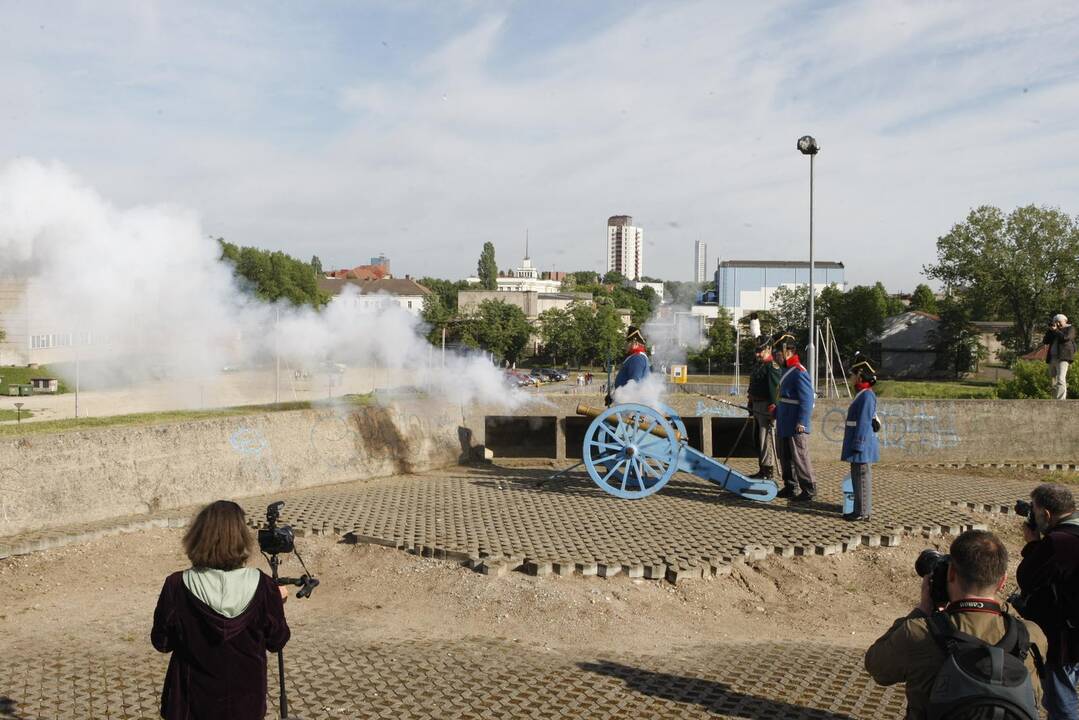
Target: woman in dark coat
218 619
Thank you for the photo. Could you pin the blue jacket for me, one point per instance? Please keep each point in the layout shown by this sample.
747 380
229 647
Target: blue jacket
634 367
859 441
795 401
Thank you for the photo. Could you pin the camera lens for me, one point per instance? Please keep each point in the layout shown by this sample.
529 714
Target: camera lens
927 560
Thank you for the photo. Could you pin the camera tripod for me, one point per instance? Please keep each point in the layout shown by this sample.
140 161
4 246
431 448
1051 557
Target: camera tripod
274 541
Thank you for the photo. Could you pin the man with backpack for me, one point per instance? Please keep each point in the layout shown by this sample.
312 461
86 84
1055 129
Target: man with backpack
963 657
1049 583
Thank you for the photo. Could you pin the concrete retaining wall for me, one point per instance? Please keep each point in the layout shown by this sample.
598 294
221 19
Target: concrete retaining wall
929 431
48 480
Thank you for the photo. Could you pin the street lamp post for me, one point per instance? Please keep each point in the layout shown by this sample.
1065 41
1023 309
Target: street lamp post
807 145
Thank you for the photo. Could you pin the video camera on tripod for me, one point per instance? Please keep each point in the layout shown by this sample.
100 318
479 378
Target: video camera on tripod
275 540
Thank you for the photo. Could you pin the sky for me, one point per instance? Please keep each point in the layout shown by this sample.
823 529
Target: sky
423 129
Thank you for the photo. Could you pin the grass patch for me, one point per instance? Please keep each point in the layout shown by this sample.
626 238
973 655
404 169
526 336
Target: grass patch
14 415
20 375
1063 478
173 416
941 390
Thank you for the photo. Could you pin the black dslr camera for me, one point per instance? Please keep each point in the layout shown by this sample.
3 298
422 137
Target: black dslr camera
934 564
1024 508
275 540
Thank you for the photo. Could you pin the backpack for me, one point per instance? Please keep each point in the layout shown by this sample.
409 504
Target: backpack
979 681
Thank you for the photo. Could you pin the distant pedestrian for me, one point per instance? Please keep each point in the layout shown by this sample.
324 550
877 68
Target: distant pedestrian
588 378
1061 341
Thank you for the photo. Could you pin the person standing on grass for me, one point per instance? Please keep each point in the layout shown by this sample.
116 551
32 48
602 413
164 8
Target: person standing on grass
1061 341
218 618
860 446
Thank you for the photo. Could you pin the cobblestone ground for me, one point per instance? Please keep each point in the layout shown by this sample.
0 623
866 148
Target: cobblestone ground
330 677
497 517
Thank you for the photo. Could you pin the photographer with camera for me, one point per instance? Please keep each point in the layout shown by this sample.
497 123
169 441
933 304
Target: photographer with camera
950 635
218 618
1060 337
1049 590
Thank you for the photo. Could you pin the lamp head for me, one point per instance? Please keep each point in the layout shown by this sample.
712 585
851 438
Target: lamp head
807 145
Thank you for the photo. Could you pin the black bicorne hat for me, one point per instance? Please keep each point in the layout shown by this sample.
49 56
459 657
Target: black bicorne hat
633 334
784 340
860 364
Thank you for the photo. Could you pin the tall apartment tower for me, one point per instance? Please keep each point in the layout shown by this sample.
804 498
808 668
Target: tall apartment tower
625 245
700 261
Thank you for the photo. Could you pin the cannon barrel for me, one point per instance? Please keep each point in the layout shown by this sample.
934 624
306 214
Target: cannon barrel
656 430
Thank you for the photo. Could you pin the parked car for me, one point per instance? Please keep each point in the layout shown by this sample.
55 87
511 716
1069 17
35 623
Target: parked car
553 375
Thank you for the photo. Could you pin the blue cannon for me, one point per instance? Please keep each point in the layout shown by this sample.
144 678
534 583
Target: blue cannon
632 450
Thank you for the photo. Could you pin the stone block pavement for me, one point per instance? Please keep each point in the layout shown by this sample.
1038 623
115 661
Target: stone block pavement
496 517
334 677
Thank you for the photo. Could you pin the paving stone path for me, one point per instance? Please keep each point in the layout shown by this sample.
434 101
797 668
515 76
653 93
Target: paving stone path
495 518
498 518
330 677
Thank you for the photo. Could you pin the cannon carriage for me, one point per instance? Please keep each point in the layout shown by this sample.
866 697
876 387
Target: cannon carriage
631 451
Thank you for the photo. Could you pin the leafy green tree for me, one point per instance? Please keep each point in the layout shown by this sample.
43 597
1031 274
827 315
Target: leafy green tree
436 316
613 277
790 306
446 290
562 338
316 265
857 315
606 336
923 299
498 327
487 269
955 341
719 347
273 276
1020 266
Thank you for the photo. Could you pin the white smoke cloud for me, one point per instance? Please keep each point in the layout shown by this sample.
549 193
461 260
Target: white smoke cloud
145 287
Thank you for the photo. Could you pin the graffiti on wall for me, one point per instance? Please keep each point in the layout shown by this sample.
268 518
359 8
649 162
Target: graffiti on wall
719 410
913 428
256 456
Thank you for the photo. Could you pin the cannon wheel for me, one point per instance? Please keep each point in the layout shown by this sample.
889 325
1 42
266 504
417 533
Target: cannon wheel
624 458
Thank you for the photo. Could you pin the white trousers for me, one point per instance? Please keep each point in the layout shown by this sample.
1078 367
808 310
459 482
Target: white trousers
1058 376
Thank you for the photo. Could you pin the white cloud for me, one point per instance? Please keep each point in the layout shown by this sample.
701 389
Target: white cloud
681 113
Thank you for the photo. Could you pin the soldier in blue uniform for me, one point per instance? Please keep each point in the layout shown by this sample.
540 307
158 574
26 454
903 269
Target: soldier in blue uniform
792 422
860 446
635 366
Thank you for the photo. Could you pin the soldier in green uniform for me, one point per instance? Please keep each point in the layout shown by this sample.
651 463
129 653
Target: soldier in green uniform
763 396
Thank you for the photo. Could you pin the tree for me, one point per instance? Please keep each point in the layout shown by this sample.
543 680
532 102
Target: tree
487 269
790 305
498 327
615 278
1019 266
316 265
923 299
720 342
273 275
955 341
446 290
436 316
857 315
